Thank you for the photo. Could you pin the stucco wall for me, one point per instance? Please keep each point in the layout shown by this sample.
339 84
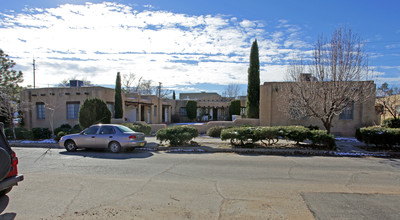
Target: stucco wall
272 113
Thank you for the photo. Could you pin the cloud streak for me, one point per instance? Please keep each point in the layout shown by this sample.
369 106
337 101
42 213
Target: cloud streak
94 41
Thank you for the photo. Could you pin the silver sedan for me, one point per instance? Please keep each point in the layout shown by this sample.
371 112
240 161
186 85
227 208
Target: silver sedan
111 136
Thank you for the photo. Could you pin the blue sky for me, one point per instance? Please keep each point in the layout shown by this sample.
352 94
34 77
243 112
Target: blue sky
189 46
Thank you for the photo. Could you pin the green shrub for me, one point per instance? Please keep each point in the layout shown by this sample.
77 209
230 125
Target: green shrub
267 135
23 134
294 133
145 128
76 129
358 134
234 108
239 135
322 138
215 131
391 123
380 136
177 135
94 111
41 133
191 109
59 135
313 127
20 133
66 128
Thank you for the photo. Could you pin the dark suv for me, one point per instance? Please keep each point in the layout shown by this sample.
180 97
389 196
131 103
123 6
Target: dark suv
8 167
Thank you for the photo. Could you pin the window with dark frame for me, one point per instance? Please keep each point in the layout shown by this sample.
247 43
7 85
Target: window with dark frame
72 110
347 112
40 110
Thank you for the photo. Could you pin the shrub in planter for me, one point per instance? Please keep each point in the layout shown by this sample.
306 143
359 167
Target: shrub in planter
239 135
64 127
322 138
391 123
380 136
23 133
267 135
76 129
59 135
215 131
145 128
41 133
294 133
177 135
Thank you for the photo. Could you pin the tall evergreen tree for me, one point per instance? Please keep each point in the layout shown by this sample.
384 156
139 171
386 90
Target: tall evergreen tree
118 97
253 88
173 95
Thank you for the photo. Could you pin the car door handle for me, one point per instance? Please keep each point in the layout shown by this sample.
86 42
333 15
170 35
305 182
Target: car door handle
110 136
93 136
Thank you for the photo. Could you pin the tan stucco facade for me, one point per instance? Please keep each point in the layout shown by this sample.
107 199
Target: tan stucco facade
210 106
271 113
52 107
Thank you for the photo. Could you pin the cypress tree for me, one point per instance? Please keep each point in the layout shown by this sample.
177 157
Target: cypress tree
118 98
253 88
191 109
173 95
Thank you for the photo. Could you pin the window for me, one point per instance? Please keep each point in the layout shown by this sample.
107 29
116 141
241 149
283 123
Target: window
107 130
73 110
155 111
40 110
111 108
182 111
347 112
91 130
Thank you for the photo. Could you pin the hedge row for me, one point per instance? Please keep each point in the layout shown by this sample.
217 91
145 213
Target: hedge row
271 135
380 136
177 135
145 128
40 133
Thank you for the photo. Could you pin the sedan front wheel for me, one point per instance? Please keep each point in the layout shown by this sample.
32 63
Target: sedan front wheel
70 146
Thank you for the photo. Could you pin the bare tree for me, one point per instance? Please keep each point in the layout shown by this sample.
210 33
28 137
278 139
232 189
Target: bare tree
232 90
334 79
127 82
144 87
389 99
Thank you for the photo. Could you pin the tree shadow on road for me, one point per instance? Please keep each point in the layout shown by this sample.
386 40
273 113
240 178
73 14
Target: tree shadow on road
103 154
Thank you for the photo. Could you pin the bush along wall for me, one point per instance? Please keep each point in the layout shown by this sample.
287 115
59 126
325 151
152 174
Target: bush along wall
145 128
379 136
178 135
240 136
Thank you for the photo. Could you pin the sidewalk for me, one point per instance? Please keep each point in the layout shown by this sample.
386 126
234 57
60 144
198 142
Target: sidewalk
348 147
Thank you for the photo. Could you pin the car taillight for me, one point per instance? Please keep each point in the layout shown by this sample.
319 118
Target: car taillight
132 137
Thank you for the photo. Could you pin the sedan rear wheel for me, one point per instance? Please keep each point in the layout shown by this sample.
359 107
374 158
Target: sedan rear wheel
70 146
114 147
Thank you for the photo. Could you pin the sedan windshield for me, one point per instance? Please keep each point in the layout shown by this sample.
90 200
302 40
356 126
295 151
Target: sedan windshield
124 129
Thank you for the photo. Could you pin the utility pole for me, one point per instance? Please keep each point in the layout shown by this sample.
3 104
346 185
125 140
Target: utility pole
34 69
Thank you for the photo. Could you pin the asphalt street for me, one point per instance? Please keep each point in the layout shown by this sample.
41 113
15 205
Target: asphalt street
160 185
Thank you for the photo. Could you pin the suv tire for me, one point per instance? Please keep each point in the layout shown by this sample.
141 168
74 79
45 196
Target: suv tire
5 163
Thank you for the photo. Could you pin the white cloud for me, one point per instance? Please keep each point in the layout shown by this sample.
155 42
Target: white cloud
94 41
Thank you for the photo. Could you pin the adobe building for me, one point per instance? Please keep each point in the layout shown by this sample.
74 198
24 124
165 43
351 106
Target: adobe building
52 107
356 116
210 106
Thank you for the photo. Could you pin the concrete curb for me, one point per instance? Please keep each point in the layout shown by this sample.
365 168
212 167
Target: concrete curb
151 146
